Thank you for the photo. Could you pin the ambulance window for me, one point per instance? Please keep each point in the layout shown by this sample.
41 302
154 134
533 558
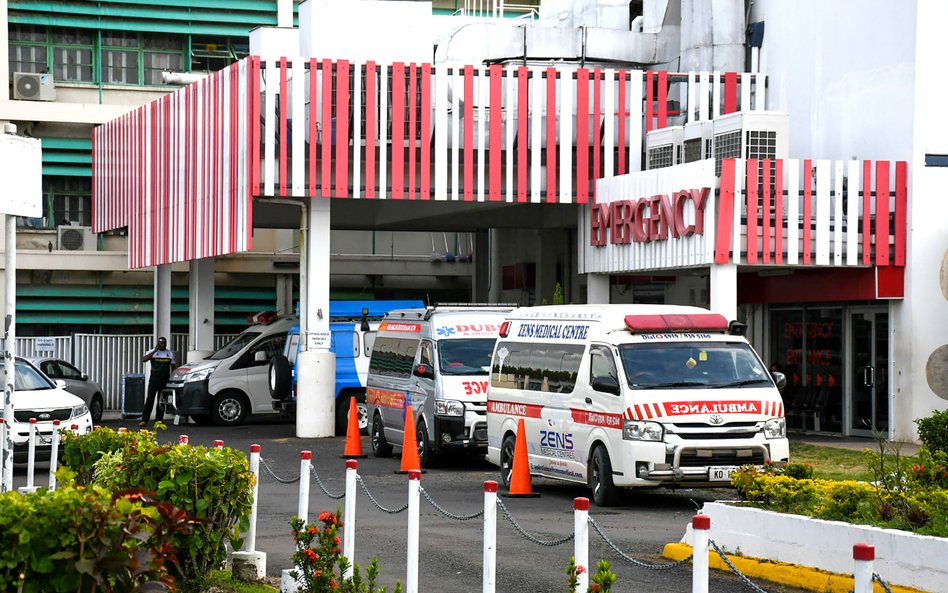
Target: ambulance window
368 340
602 363
393 357
425 356
550 368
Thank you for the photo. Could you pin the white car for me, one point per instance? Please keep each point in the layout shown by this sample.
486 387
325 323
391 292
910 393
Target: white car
36 396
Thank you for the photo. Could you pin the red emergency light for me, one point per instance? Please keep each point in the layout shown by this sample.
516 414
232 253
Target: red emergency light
650 324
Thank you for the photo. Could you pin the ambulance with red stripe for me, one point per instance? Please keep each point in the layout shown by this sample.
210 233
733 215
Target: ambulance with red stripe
433 363
631 396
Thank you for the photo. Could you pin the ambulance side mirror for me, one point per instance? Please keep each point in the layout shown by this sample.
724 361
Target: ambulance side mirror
424 371
780 379
606 384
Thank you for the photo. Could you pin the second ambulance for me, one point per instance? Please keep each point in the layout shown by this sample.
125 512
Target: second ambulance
627 396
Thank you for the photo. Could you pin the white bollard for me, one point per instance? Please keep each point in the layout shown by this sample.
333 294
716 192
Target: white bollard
581 541
30 460
3 441
490 536
302 507
863 555
349 516
700 525
54 456
218 444
249 564
183 439
414 500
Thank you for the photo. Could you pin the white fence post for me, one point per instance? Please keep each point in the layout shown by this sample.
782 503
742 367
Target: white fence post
30 460
490 536
3 441
218 444
249 564
183 439
302 508
581 541
349 515
54 456
414 500
863 555
700 525
250 544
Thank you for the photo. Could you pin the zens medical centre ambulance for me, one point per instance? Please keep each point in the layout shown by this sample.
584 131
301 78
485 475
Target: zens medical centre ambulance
628 396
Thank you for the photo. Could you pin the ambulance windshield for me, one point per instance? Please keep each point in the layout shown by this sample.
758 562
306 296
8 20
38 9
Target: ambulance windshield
690 365
465 356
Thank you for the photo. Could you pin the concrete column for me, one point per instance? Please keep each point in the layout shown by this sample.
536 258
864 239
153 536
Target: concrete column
316 379
201 306
597 289
284 294
496 267
724 290
284 13
162 317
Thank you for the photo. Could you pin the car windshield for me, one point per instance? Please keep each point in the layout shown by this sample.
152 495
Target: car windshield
28 378
234 346
693 365
466 356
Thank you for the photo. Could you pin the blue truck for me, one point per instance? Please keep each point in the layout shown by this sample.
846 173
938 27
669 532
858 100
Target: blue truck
352 325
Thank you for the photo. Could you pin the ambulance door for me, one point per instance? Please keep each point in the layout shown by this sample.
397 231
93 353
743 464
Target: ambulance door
423 387
598 404
556 367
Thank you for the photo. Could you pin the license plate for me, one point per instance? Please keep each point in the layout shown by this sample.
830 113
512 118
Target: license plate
721 473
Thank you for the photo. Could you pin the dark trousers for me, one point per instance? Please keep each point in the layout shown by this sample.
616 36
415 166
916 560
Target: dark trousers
155 384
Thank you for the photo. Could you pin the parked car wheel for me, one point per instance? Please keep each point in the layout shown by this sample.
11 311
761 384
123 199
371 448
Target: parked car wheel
229 408
380 446
95 408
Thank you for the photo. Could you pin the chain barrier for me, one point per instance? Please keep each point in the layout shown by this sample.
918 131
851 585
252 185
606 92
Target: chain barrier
376 503
266 465
734 569
449 514
633 561
539 542
315 474
878 579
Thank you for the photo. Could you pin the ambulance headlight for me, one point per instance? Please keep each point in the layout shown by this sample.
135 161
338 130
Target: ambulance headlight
775 428
639 430
449 407
198 375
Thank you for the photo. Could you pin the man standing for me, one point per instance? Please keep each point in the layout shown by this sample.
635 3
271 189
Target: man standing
162 362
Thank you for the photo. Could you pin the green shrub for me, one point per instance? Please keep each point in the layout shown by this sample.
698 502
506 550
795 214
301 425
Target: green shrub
214 485
600 581
81 538
844 501
933 431
80 452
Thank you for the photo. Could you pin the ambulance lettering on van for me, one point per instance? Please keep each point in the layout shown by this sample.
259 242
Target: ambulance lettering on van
632 396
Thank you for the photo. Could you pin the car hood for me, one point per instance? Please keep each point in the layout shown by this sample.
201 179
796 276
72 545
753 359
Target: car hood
44 399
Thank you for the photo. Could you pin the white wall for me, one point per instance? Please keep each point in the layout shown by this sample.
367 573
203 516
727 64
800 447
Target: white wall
923 316
844 72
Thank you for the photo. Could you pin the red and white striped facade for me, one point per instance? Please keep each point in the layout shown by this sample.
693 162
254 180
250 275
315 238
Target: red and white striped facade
811 213
181 172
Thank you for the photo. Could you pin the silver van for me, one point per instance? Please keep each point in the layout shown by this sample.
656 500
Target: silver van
435 363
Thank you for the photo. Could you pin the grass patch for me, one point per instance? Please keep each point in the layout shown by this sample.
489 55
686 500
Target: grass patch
222 581
831 463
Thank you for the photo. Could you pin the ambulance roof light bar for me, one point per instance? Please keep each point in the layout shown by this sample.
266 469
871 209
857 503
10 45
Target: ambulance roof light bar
648 324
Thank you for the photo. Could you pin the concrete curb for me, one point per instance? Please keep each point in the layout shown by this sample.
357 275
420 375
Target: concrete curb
801 577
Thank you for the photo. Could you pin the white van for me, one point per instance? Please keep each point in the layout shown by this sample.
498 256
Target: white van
629 396
434 362
233 382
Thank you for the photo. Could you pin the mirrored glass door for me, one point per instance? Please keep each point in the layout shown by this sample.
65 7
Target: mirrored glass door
868 371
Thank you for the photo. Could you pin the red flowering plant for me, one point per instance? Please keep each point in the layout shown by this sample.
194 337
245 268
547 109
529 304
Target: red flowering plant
319 561
599 582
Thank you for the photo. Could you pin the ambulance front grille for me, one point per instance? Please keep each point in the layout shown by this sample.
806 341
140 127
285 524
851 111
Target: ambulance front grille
706 457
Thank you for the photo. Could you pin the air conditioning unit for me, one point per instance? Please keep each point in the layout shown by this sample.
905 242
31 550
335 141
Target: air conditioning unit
663 147
751 135
697 141
33 87
76 238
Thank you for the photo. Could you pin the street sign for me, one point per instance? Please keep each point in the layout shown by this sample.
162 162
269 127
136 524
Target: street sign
45 344
318 340
22 167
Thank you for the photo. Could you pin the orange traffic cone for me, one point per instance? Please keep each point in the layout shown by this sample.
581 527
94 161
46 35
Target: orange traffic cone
520 484
410 459
353 436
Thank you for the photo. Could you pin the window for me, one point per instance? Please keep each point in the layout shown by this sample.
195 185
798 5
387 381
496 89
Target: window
345 344
139 58
28 49
425 353
550 368
66 200
393 357
602 363
689 365
466 356
72 54
368 339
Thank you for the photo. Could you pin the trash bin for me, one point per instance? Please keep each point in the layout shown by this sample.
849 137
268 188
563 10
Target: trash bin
133 395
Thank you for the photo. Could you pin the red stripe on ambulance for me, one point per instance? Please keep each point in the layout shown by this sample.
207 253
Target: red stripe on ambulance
514 409
398 326
597 418
712 407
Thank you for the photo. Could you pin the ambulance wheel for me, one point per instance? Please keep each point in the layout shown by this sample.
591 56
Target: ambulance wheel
604 492
506 459
426 456
380 447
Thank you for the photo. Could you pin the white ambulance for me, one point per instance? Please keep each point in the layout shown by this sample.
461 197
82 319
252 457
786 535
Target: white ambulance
434 363
629 396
